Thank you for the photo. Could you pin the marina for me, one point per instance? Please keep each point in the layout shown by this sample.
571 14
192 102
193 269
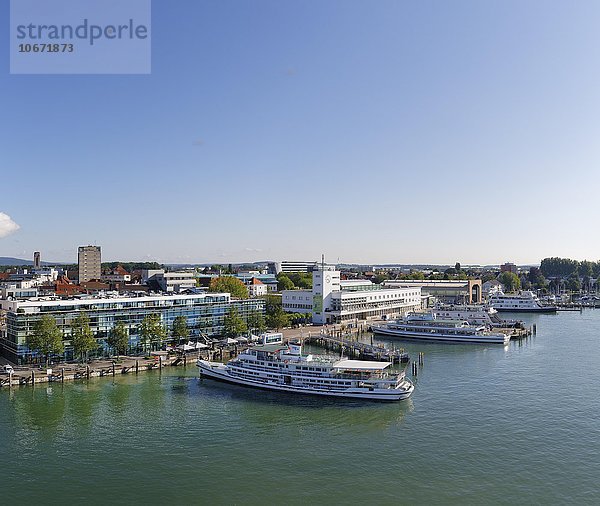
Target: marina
168 424
352 347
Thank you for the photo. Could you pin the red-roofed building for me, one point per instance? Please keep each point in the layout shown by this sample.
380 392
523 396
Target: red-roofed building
117 275
256 288
64 286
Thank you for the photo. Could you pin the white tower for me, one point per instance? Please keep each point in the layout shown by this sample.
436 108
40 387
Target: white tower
326 280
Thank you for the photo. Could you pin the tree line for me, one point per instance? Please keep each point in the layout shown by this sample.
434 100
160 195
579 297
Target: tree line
47 339
565 267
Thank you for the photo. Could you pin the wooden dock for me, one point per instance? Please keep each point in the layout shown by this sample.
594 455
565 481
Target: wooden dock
31 375
357 349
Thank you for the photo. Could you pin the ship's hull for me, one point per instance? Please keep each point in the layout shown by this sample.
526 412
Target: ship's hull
550 309
441 338
219 372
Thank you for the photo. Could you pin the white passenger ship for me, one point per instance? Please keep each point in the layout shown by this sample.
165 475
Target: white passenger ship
284 368
429 328
523 302
472 313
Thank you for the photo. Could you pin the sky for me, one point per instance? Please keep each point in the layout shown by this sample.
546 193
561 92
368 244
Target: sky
371 132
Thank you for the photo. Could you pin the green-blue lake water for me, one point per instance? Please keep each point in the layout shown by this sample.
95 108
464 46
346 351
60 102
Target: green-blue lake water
486 425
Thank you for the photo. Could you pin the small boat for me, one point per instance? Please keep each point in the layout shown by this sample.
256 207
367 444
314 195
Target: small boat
283 368
429 328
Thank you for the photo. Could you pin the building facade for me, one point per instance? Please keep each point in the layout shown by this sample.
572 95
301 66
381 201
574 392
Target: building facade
509 267
204 314
333 300
256 288
89 260
466 291
291 266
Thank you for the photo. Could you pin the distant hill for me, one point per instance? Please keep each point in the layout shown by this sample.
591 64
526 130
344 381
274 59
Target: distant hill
19 261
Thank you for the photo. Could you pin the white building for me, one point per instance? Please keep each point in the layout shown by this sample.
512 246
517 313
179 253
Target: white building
288 266
117 275
148 274
43 276
332 300
256 288
176 281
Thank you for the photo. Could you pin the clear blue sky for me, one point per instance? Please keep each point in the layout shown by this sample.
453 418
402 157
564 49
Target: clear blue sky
388 131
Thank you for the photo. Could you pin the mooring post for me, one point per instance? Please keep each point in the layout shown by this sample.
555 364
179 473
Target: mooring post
136 366
113 368
62 375
32 377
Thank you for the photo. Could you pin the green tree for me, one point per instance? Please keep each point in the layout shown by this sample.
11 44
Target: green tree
229 284
278 319
118 339
180 329
82 337
284 282
510 281
272 303
46 338
537 279
256 322
573 283
233 324
586 268
379 278
300 279
152 331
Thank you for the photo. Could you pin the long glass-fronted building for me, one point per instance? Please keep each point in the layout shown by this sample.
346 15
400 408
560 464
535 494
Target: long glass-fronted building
204 313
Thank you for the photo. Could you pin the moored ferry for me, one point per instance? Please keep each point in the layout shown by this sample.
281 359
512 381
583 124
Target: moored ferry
429 328
472 313
284 368
523 302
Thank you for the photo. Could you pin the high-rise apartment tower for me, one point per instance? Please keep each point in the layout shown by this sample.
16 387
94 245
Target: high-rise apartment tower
89 263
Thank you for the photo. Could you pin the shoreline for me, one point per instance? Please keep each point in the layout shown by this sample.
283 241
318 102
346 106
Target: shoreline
29 376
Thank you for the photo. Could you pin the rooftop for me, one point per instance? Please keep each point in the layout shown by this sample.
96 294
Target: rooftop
361 365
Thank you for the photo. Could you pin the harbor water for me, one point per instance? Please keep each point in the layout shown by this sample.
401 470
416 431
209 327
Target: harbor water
486 425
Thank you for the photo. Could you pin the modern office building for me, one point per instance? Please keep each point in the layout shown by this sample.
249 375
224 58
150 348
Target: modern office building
333 300
175 282
89 260
204 314
289 266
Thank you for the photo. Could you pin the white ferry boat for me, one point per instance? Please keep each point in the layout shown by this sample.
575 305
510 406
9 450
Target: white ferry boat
430 328
523 302
284 368
474 314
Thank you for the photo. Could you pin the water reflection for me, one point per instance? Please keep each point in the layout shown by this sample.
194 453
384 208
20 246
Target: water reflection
40 408
265 409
